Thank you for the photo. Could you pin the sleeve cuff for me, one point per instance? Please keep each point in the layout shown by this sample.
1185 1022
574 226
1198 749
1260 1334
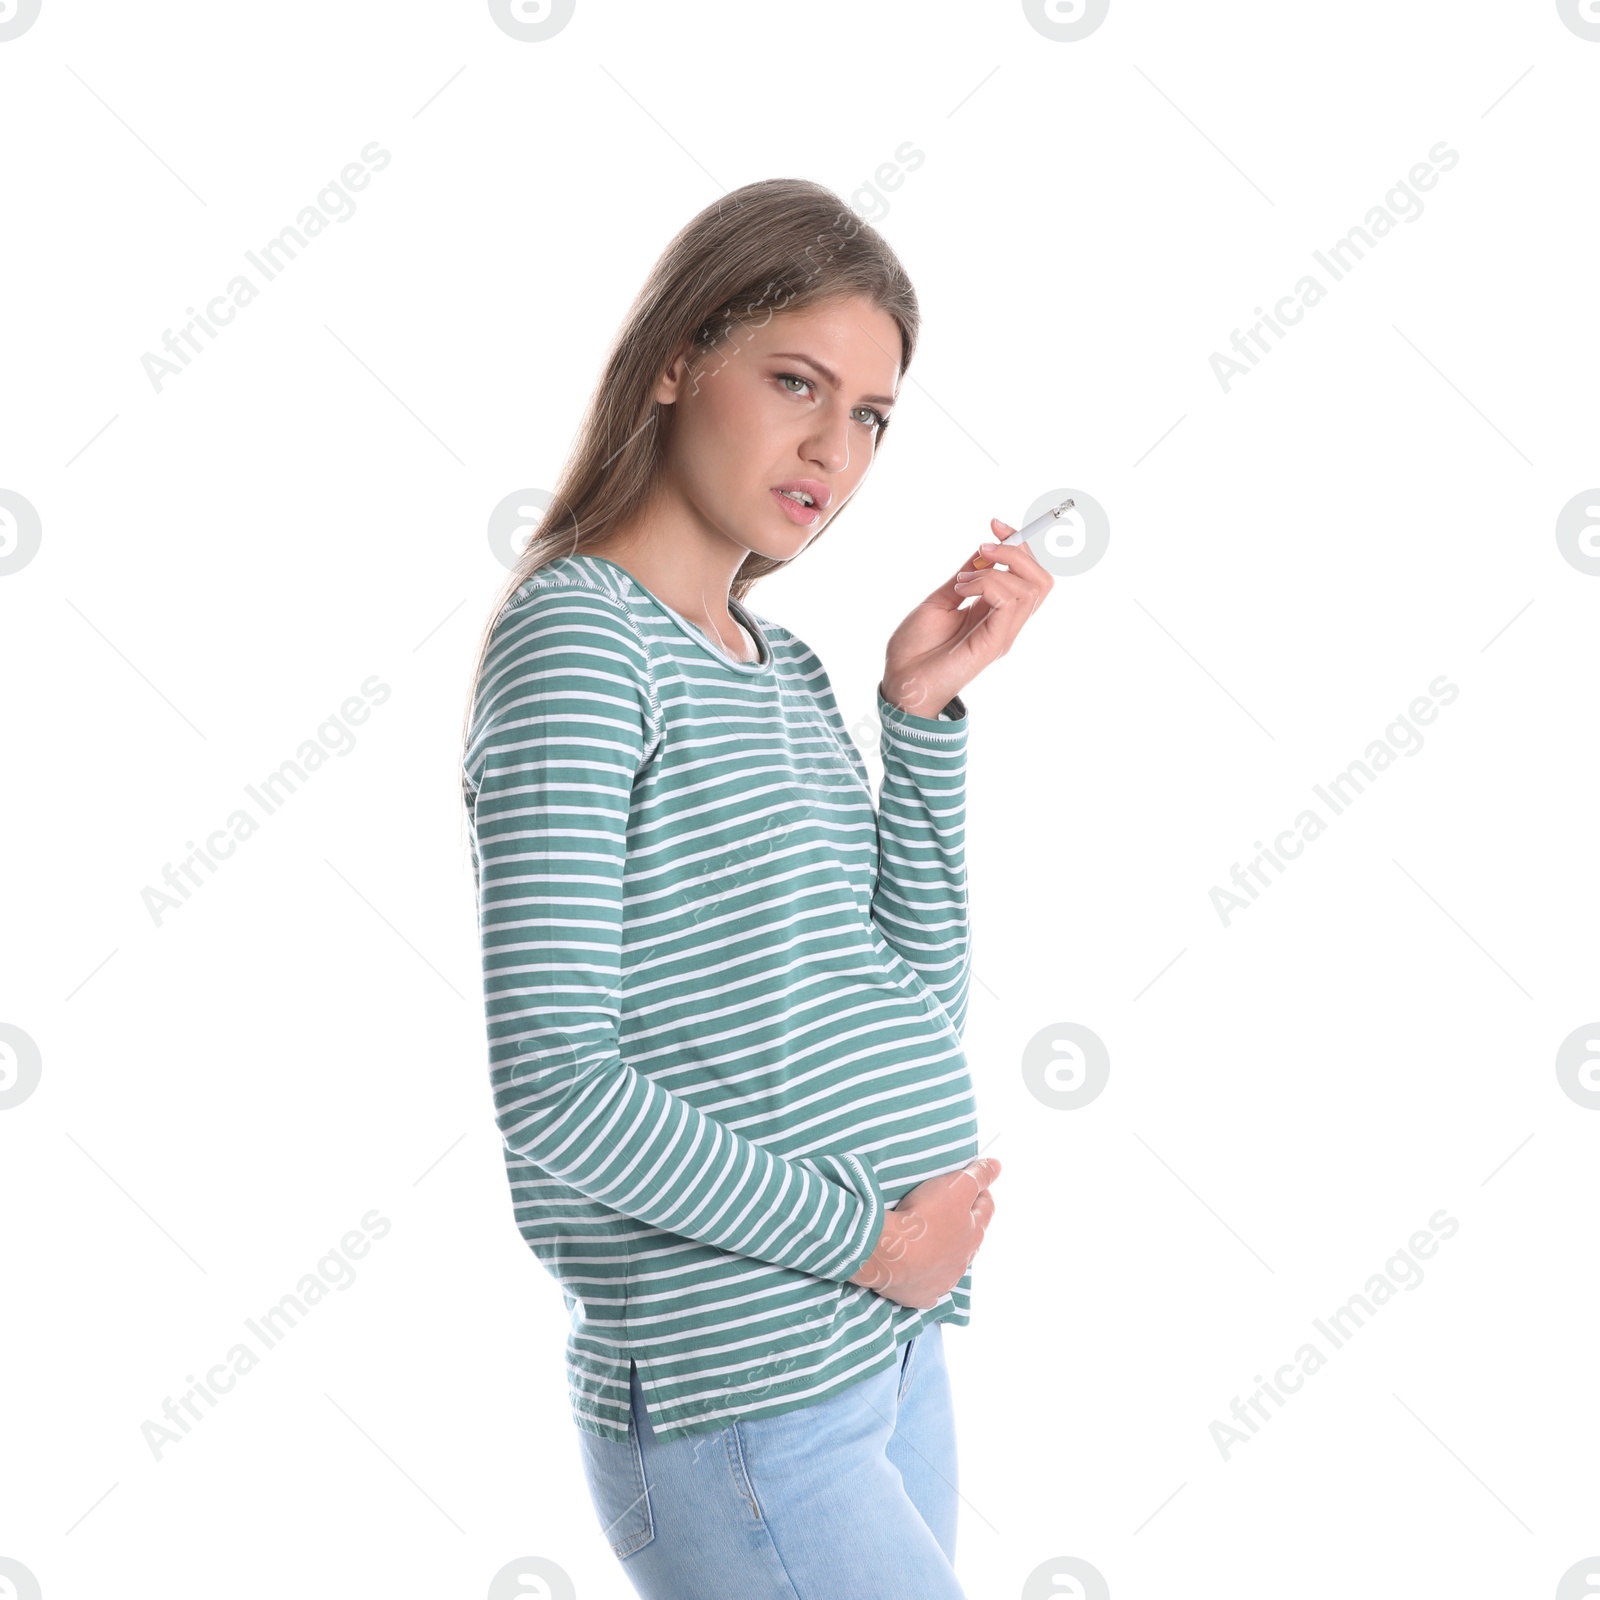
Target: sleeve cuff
949 727
858 1174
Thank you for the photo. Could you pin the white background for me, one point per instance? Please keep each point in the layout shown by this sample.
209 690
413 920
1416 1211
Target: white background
225 1094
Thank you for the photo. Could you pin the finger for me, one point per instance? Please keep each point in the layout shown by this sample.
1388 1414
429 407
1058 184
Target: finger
983 1209
1002 602
984 1170
999 533
946 597
1000 589
1017 559
1020 558
1001 530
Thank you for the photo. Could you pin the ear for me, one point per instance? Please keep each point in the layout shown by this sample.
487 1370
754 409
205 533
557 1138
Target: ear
678 379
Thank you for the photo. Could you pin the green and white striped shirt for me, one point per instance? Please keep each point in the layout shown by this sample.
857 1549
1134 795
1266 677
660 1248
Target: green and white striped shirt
725 995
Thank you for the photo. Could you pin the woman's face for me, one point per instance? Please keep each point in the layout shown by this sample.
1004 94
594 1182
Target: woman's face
796 402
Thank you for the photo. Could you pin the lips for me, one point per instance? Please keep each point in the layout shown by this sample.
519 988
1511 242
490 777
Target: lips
820 493
806 516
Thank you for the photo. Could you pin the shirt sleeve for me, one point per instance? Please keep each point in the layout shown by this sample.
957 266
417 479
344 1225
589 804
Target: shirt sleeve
920 903
564 718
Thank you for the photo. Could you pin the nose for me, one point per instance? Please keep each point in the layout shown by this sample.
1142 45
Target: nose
829 446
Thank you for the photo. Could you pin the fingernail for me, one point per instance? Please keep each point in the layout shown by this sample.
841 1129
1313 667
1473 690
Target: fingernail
967 576
986 548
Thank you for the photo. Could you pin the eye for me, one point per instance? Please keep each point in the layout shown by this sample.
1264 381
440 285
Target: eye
878 418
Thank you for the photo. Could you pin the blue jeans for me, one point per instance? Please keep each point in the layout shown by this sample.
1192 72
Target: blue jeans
853 1495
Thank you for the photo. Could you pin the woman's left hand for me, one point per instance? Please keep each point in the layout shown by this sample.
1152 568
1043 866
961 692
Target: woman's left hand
939 648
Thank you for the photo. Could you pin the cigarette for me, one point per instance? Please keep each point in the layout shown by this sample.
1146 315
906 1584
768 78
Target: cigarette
1032 531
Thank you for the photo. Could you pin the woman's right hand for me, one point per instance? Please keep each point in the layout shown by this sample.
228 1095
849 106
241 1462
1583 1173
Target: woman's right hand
930 1237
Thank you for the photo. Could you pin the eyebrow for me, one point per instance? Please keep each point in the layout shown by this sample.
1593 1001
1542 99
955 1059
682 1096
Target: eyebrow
832 377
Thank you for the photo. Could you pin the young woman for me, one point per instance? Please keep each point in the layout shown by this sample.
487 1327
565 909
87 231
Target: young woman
725 991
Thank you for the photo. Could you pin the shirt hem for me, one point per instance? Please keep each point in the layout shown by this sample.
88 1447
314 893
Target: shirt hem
777 1405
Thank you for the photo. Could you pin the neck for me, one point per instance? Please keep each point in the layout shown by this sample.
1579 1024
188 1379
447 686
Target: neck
704 603
687 574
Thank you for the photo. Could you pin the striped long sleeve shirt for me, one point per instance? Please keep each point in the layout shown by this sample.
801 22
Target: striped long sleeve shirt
724 994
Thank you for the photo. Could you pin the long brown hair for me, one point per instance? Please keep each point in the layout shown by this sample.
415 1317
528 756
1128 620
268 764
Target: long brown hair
778 245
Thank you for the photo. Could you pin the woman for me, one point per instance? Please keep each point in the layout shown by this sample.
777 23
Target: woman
725 994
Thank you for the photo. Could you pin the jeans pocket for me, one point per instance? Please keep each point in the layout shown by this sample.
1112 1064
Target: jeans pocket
907 1356
615 1473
